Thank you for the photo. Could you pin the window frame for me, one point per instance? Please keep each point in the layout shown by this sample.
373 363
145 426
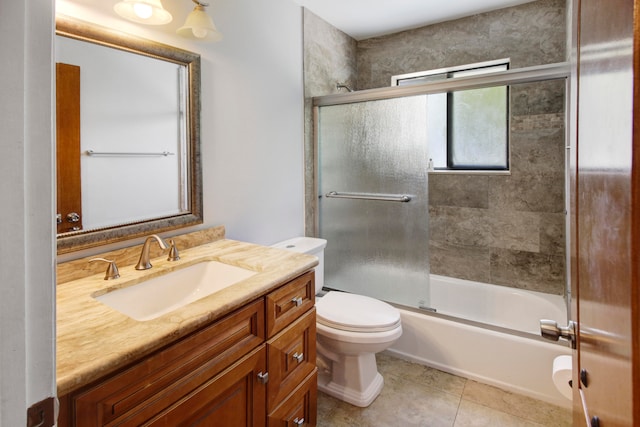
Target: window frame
450 72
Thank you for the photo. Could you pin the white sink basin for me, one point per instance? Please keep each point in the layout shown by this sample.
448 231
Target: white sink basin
155 297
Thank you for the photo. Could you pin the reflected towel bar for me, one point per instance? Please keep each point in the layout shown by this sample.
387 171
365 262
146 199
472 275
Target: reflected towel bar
119 154
403 198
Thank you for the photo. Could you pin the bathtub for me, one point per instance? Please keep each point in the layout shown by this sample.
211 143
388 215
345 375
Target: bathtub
497 343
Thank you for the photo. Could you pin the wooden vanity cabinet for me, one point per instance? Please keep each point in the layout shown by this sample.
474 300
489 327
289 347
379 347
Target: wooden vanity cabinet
254 367
233 398
300 409
292 358
291 390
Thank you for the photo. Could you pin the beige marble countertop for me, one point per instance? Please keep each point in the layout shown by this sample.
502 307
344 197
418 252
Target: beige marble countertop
94 340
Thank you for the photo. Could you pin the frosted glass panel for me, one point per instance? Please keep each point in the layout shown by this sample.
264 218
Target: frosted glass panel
376 247
478 130
437 129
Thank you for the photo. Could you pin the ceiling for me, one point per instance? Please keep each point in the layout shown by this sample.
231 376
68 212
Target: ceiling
360 19
363 19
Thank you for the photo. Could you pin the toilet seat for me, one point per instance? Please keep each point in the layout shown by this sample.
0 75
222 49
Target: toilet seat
356 313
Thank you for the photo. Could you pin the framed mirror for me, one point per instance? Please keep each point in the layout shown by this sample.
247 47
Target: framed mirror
128 136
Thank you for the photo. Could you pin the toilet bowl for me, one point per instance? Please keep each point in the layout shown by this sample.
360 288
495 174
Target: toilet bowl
350 330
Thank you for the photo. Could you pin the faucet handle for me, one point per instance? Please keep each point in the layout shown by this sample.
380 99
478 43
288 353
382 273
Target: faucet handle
174 255
112 270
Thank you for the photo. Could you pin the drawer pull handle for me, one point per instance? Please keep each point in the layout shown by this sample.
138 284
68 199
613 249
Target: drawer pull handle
298 421
298 356
263 378
297 301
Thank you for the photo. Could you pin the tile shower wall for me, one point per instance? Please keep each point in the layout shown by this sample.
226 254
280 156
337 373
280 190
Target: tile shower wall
329 58
506 230
530 34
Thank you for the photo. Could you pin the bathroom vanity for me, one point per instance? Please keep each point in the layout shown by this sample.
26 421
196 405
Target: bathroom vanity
243 356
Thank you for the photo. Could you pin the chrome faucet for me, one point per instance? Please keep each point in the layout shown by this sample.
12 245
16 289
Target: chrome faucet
143 262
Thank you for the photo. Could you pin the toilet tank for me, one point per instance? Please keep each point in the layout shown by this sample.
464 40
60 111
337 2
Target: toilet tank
311 246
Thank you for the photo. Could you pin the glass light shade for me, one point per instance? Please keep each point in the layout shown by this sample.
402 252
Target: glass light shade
148 12
199 25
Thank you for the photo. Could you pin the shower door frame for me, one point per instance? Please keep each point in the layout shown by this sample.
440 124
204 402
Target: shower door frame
513 76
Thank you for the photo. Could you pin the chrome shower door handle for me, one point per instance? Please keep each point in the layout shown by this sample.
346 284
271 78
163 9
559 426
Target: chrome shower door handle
402 198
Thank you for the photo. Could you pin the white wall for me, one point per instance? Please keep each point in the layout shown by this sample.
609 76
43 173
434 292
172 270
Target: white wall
252 113
253 121
27 367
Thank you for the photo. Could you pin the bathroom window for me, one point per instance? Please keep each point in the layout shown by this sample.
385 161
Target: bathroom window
467 129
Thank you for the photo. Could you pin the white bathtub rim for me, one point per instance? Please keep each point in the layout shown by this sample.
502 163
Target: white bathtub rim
553 305
497 329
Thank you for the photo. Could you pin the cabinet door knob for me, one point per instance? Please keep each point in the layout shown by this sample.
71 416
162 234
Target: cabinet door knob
298 356
297 301
263 378
298 421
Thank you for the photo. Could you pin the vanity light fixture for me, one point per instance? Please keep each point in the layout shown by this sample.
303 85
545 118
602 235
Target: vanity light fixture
148 12
199 25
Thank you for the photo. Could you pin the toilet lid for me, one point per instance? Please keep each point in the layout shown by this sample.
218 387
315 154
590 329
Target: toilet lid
358 313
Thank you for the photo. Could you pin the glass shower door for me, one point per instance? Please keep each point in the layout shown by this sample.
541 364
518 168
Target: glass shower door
373 207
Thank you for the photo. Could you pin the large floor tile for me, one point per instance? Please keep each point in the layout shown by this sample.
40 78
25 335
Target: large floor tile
401 402
471 414
419 396
421 374
518 405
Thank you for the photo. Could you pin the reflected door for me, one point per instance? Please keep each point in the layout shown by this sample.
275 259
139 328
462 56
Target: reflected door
373 207
69 199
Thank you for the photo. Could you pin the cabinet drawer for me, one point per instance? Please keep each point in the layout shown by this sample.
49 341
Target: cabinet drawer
289 302
292 357
150 386
300 409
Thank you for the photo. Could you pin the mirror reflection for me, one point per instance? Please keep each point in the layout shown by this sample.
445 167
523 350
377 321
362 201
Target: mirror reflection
127 136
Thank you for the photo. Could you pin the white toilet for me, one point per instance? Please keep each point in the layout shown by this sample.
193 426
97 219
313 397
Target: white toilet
351 329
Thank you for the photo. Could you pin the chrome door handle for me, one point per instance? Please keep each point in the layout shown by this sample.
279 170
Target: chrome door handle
298 356
73 217
298 421
297 301
550 330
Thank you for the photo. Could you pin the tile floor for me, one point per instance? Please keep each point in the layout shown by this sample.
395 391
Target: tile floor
416 395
